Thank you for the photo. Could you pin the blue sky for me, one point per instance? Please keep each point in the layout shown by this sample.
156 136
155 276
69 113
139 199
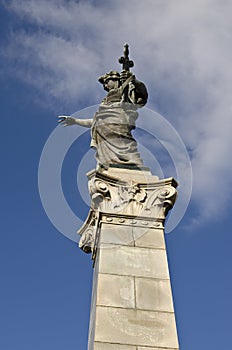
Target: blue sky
52 53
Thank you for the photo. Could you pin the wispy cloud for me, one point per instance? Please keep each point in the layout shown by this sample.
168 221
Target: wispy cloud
182 50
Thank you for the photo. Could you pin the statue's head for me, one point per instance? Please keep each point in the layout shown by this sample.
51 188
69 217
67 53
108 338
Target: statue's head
110 80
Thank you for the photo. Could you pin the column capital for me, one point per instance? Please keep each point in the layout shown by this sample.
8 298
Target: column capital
128 197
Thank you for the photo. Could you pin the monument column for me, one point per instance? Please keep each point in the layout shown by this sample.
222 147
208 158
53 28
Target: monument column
132 307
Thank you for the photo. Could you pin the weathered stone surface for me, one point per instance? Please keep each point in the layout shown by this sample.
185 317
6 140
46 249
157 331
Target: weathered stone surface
134 261
116 291
116 234
108 346
146 348
126 202
135 327
93 306
153 294
113 195
139 176
149 237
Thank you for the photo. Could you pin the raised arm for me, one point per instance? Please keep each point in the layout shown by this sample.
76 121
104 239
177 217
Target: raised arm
68 121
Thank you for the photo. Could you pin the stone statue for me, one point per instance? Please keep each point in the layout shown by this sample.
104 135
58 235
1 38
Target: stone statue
113 123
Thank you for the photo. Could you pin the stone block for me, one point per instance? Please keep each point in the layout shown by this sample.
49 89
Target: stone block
135 327
116 234
149 237
114 290
134 261
153 294
108 346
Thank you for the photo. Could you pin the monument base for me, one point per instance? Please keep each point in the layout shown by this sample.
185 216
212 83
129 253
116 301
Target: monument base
132 307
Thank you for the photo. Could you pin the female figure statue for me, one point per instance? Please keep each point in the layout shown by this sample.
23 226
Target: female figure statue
111 126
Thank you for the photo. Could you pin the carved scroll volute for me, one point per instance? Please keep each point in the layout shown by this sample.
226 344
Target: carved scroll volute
161 201
87 240
167 197
99 192
88 232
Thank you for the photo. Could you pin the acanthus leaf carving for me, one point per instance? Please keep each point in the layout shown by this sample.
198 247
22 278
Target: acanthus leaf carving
128 197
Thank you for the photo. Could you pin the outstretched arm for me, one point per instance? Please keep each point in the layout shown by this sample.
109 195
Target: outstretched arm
67 121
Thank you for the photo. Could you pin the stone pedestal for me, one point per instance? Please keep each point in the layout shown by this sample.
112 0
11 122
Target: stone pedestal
132 306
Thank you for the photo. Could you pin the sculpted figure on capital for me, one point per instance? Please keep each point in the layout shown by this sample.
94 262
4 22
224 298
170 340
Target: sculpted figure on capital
112 125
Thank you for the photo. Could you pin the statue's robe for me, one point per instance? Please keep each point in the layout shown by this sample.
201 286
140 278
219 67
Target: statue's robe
112 127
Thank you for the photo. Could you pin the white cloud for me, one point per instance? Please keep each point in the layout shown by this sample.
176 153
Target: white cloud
182 50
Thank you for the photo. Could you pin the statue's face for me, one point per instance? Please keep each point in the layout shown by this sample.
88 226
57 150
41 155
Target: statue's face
111 84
